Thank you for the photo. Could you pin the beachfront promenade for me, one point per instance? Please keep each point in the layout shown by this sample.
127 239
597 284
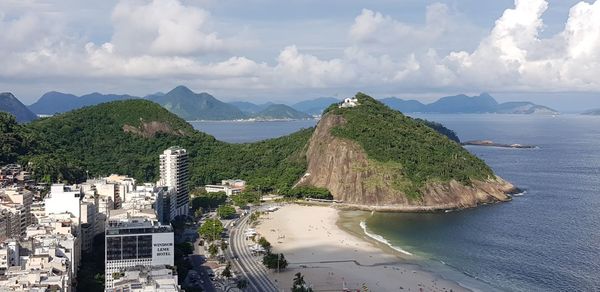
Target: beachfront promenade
250 266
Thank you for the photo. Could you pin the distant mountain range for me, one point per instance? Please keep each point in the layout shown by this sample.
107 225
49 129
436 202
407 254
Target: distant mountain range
281 111
250 108
202 106
191 106
10 104
484 103
593 112
55 102
315 106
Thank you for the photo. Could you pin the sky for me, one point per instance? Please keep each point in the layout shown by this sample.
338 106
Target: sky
272 50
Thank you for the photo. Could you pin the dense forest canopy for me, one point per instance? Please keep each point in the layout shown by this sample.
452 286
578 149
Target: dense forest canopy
126 137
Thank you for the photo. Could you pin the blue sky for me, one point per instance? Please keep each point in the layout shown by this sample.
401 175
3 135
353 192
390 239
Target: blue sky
258 50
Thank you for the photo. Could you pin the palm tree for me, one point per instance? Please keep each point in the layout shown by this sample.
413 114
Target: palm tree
299 285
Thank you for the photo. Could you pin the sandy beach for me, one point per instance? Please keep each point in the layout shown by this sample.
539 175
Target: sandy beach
331 258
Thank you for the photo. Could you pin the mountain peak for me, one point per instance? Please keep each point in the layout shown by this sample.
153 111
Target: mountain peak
181 90
11 104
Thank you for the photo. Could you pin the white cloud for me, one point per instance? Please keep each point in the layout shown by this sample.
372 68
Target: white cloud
513 56
162 40
163 27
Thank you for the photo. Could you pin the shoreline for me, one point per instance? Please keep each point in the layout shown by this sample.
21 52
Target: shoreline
348 222
331 251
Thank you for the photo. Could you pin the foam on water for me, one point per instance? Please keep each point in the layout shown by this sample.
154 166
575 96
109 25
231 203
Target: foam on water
381 239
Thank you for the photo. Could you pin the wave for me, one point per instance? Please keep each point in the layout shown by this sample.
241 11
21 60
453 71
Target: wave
520 194
381 239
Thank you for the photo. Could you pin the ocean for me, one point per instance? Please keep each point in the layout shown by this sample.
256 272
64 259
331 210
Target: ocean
547 239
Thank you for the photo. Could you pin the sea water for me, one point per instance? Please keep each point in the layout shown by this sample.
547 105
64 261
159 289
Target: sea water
547 239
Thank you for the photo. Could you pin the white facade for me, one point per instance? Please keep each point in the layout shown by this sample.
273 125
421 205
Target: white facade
174 174
349 102
64 199
144 279
228 190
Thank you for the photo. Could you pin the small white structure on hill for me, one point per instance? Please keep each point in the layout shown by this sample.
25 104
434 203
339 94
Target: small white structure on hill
349 102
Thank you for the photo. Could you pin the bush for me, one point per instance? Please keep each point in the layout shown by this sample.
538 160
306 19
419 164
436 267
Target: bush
309 192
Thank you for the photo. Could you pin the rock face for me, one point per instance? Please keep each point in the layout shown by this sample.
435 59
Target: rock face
150 129
343 167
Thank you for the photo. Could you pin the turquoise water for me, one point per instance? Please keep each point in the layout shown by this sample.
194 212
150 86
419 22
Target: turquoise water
545 240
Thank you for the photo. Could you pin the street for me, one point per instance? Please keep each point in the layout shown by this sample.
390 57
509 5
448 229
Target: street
250 266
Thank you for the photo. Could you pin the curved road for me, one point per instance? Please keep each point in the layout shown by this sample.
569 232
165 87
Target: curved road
250 266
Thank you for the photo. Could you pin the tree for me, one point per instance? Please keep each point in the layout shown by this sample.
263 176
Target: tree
213 250
224 245
211 229
198 213
298 284
227 271
226 212
275 261
208 200
265 244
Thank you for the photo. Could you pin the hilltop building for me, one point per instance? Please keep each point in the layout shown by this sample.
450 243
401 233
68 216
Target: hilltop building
349 102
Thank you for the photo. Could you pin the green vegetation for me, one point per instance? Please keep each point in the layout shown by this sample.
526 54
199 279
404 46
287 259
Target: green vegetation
245 198
299 285
213 250
226 212
127 136
13 142
275 261
440 129
211 229
265 244
416 151
309 192
227 271
206 200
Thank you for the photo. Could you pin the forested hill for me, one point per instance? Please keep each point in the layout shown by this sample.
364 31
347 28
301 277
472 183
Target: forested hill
388 136
375 158
127 136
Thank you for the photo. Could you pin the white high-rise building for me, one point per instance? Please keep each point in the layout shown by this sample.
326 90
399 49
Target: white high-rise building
174 173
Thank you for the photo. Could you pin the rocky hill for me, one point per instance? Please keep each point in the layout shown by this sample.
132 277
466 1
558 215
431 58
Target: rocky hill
373 157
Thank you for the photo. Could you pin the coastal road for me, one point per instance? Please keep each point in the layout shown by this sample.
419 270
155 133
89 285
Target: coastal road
250 266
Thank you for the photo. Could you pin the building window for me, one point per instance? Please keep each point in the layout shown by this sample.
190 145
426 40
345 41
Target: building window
129 247
145 246
113 248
